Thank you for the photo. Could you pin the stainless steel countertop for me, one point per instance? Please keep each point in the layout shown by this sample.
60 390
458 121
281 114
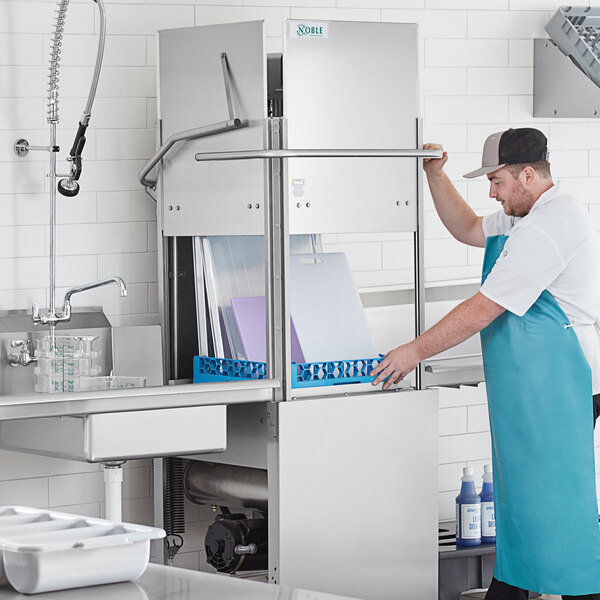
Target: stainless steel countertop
169 583
30 406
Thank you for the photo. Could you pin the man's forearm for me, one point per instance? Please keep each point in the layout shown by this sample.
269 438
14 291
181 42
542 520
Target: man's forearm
457 216
467 319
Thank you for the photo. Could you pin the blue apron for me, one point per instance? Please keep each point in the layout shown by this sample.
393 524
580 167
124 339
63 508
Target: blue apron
539 389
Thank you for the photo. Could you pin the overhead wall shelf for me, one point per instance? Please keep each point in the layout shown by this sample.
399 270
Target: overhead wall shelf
561 89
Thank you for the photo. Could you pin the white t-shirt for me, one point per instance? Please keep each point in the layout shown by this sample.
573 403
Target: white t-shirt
555 247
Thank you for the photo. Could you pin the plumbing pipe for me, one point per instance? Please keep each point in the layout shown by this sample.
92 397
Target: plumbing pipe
113 479
227 485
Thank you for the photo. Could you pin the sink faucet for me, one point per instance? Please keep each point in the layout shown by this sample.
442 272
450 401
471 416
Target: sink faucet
90 286
66 310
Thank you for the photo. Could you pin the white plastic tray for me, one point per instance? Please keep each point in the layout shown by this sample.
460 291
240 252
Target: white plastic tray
43 550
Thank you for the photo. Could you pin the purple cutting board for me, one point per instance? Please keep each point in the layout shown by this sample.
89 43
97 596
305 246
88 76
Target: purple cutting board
249 314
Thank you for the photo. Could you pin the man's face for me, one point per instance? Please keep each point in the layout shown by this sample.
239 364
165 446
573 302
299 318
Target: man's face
515 198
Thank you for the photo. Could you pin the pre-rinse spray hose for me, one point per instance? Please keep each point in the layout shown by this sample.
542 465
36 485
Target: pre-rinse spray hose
69 186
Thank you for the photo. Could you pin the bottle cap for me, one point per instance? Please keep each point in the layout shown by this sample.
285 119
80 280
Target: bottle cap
487 468
467 470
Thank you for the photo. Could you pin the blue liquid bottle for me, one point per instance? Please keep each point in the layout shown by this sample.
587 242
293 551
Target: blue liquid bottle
488 517
468 512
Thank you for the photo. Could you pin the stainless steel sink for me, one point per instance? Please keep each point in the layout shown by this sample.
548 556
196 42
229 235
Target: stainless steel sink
110 425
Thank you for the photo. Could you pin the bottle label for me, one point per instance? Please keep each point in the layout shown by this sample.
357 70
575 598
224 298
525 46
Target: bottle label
470 523
488 519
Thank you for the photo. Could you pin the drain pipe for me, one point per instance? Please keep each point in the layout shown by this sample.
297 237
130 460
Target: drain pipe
113 479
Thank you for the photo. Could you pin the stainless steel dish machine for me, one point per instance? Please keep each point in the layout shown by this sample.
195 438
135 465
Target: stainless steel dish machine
290 149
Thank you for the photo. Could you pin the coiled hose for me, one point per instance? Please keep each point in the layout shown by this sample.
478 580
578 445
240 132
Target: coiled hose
53 75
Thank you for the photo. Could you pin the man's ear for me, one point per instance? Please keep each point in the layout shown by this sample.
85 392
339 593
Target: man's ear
528 175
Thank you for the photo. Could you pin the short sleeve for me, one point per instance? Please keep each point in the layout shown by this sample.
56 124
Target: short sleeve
529 262
497 223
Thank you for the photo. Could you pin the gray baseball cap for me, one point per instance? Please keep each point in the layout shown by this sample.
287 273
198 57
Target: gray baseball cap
513 146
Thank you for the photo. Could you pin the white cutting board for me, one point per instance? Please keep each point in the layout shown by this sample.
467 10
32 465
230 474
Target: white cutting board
328 315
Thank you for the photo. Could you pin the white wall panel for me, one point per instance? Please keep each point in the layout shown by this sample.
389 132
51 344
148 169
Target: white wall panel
508 24
133 267
23 273
272 16
28 81
116 207
79 209
536 5
128 19
432 24
22 178
101 238
125 143
466 52
21 298
378 3
342 14
398 255
478 419
18 49
486 81
22 241
14 465
570 163
25 492
461 448
466 109
454 137
75 270
449 475
453 421
22 113
575 136
445 253
468 4
444 81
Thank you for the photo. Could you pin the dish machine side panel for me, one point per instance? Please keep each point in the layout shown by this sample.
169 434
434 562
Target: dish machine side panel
357 485
355 86
212 198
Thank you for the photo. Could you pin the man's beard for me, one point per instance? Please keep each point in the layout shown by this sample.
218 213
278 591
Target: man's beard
520 202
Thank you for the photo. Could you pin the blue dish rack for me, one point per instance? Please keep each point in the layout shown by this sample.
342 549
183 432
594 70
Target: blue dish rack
208 369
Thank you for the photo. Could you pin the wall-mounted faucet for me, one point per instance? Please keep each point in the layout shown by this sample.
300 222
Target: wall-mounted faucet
22 354
52 319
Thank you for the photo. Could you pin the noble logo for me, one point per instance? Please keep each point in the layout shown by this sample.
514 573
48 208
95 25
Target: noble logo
309 30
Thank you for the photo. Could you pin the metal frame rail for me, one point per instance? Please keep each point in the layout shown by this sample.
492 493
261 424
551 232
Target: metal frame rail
183 136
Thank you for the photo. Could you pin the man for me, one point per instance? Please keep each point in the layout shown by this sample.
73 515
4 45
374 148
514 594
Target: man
537 310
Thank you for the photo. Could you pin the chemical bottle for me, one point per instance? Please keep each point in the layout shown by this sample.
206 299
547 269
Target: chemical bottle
468 512
488 516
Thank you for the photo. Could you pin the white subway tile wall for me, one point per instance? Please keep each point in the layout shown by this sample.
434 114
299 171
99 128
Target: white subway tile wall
476 78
